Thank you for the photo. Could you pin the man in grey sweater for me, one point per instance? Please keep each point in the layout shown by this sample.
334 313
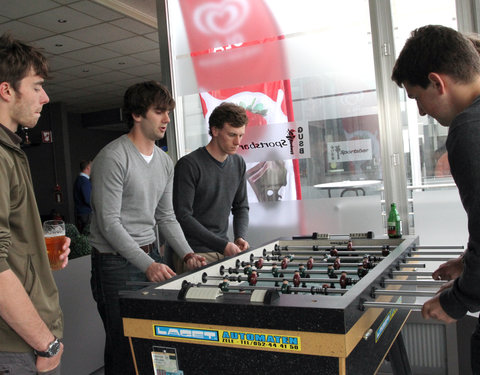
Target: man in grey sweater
131 193
209 183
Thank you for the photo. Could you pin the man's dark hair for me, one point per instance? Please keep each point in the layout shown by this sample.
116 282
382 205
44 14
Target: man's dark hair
84 164
141 96
16 60
436 49
227 113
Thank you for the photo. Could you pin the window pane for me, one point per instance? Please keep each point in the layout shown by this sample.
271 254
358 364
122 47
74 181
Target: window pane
326 57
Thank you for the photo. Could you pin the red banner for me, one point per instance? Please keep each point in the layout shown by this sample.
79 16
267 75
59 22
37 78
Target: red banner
238 57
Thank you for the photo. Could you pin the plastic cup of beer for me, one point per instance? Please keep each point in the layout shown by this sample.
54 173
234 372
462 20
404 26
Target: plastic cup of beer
54 231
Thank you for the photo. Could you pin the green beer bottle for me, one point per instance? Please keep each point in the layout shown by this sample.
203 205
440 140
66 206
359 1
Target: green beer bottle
394 223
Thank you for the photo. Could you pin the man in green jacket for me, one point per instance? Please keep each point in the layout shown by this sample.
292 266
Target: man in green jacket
30 316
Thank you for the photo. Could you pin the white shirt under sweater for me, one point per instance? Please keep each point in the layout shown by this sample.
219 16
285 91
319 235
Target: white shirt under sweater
129 196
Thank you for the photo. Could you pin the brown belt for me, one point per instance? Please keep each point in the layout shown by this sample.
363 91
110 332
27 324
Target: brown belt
147 248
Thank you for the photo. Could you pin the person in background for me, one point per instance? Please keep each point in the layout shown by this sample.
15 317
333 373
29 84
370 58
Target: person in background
31 321
132 193
81 196
440 69
209 183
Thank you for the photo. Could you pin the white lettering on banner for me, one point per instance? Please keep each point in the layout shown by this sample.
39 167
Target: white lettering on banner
358 149
275 142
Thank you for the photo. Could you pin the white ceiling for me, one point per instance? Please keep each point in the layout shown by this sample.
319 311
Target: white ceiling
96 48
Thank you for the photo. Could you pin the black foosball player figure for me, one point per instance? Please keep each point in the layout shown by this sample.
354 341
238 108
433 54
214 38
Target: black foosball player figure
386 250
331 272
275 272
252 278
310 263
303 274
285 289
247 270
361 271
224 285
336 263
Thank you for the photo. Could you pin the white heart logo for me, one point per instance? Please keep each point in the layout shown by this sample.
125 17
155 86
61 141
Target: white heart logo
221 18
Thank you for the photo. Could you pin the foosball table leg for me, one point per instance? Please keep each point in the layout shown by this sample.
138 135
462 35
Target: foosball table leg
398 357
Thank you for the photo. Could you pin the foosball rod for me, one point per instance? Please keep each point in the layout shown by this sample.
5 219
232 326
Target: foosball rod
413 282
427 259
316 264
291 289
319 252
406 293
423 253
426 247
411 273
327 247
394 305
319 259
309 272
244 278
411 265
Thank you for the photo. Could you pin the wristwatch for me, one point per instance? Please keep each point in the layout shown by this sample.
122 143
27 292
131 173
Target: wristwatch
52 350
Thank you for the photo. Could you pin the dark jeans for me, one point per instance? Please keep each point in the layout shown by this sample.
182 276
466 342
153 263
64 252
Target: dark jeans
81 221
475 349
110 274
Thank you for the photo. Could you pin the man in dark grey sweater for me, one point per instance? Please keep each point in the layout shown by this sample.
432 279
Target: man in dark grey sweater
209 183
440 69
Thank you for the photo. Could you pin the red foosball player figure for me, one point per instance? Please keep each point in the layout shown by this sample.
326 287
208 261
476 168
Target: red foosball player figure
366 262
252 278
331 272
344 280
285 289
296 279
310 263
336 264
259 263
325 288
224 285
350 245
285 262
333 251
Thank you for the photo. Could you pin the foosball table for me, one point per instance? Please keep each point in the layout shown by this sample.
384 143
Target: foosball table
319 304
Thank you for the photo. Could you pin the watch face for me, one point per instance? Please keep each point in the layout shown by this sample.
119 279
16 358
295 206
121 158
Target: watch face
54 348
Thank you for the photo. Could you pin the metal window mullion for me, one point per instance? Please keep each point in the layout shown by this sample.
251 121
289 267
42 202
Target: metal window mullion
468 17
390 125
175 133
